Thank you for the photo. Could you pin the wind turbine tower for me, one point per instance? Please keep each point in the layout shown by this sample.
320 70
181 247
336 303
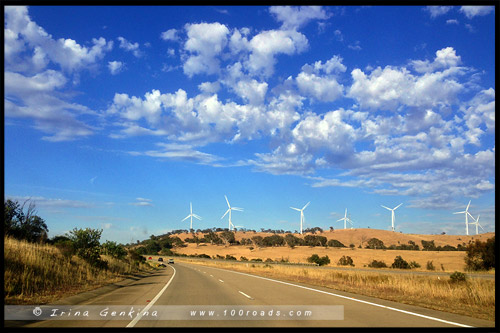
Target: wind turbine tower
476 222
229 211
191 215
346 219
393 216
301 215
467 214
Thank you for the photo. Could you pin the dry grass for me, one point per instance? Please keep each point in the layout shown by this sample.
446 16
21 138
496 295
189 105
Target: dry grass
39 273
449 260
475 297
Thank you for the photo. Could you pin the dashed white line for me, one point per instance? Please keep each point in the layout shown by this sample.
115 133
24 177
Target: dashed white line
249 297
349 298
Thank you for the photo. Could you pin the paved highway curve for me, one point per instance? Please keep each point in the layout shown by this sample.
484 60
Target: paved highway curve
203 287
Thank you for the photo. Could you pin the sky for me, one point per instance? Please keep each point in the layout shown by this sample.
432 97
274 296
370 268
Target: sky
123 123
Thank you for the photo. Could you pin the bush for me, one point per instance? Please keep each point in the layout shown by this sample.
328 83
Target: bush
414 264
377 264
457 277
86 245
335 243
430 266
375 243
400 263
317 260
480 255
346 261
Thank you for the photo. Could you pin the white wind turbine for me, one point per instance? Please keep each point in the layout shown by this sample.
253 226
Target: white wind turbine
229 211
191 215
301 215
467 214
393 216
346 219
476 222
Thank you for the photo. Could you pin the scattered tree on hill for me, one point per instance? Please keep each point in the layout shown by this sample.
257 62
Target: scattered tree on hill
375 243
334 243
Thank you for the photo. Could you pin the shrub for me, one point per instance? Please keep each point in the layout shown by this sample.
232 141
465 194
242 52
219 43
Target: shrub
400 263
430 266
377 264
414 264
457 277
480 255
335 243
321 261
346 261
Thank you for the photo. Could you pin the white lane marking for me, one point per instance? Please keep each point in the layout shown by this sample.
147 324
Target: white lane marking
245 294
349 298
136 319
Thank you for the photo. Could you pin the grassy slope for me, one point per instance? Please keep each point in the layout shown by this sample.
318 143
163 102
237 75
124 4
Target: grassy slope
39 273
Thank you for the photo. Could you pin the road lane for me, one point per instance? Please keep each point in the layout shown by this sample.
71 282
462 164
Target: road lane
197 285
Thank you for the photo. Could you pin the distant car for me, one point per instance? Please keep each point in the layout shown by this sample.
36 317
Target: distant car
170 261
160 259
162 265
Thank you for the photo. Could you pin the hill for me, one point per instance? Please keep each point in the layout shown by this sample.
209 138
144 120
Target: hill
360 236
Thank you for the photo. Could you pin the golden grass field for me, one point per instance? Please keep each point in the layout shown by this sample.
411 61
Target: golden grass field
39 273
474 297
448 261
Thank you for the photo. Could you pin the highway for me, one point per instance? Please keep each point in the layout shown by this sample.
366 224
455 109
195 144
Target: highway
241 300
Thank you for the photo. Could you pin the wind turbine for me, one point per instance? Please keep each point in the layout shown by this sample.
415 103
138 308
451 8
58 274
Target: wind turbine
393 217
477 224
191 215
301 215
467 214
346 219
229 211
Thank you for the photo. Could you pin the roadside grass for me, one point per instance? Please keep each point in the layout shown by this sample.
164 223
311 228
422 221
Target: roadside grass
473 297
40 273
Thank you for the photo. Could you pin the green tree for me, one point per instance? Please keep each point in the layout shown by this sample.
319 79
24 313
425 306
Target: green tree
375 243
480 255
87 246
24 225
113 249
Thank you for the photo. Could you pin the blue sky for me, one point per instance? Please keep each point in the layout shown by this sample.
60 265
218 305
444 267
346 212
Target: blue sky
120 125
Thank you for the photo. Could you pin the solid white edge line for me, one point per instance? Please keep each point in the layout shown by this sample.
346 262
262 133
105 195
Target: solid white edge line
136 319
350 298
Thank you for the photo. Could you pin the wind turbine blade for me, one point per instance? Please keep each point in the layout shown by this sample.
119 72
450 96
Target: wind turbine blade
307 204
227 202
341 219
295 209
386 207
466 209
470 215
237 208
460 212
185 217
196 216
398 206
225 213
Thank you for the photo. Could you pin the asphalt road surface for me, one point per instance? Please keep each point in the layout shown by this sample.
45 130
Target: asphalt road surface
236 299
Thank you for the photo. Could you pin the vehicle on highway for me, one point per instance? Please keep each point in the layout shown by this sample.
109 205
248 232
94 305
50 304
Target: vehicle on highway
170 261
160 259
